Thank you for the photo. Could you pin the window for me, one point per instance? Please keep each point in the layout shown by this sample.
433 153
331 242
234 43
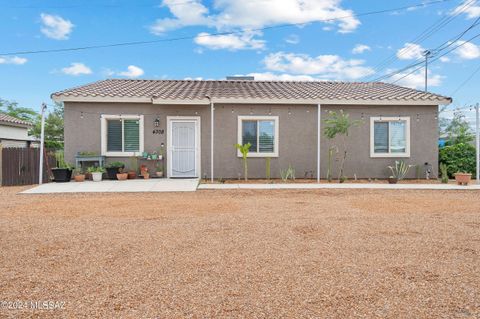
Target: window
261 132
390 137
122 135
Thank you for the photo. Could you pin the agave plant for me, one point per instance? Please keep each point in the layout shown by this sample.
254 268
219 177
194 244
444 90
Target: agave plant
400 170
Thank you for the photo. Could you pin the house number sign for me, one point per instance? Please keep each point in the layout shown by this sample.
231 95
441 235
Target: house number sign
158 131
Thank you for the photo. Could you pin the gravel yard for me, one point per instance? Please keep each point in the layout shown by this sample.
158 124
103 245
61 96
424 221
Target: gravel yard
246 254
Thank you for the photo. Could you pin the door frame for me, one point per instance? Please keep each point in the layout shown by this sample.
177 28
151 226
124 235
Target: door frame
198 149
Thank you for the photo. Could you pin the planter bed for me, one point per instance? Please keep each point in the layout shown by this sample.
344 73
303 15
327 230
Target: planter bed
323 181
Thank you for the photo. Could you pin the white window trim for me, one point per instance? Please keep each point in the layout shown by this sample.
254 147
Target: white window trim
104 118
258 118
389 119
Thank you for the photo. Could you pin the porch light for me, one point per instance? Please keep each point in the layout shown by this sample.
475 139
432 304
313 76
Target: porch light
156 123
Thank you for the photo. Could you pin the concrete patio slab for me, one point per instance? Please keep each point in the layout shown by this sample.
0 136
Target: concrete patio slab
340 186
128 186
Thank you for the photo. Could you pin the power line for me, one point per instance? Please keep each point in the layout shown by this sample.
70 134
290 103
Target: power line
99 5
190 37
466 80
423 36
415 70
445 45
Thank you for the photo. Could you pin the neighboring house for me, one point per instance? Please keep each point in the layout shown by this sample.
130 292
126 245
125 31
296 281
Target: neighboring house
14 132
120 118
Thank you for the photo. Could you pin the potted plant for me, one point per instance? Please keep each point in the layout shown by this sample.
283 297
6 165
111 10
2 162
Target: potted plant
121 175
154 155
96 172
144 172
399 171
159 170
113 169
132 172
63 172
462 178
79 176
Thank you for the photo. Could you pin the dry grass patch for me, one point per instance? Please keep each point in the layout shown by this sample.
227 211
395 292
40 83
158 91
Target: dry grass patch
263 254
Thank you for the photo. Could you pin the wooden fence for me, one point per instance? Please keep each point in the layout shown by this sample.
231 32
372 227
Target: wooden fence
20 166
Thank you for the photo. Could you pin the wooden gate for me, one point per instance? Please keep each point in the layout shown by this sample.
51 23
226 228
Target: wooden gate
20 166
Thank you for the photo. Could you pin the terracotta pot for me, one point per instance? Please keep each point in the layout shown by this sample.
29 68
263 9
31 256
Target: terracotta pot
146 175
159 174
392 180
132 175
122 176
79 178
462 178
88 176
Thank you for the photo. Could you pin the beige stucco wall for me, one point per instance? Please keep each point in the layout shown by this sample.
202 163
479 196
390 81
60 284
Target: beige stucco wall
13 132
297 136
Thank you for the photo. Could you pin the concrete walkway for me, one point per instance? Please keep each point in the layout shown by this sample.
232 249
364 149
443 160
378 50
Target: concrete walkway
136 185
340 186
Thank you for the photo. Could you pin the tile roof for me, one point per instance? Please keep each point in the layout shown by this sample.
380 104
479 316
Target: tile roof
13 120
262 91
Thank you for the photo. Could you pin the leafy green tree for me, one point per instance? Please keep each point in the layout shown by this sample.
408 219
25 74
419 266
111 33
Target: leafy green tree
22 113
459 157
339 124
457 130
53 128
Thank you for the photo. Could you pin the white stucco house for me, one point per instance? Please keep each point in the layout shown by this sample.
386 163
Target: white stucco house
14 132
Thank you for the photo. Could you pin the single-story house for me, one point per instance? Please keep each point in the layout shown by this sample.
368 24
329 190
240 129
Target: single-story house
197 123
14 132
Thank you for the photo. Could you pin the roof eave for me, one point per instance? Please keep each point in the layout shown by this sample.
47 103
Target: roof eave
102 99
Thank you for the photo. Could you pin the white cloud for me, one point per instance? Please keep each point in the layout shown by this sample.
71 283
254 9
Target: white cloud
331 67
187 13
416 80
12 60
292 39
76 69
253 14
232 42
444 59
410 51
467 50
360 48
55 27
468 7
132 72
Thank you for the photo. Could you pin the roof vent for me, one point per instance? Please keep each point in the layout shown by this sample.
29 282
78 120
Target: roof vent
240 78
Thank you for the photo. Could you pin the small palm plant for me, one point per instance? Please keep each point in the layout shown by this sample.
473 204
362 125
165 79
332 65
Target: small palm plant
244 150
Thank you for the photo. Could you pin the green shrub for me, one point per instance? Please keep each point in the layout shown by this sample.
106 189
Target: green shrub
116 165
458 158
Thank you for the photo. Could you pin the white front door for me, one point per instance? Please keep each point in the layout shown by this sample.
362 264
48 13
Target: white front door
183 147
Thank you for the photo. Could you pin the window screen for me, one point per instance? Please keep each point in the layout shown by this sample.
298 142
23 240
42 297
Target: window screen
249 134
381 137
114 136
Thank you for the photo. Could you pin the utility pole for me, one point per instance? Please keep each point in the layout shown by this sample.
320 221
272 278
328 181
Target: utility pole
42 140
477 141
426 54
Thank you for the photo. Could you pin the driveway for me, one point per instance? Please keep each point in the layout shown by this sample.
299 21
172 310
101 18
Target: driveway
243 254
108 186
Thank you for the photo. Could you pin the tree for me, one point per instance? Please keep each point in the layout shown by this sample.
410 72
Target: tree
244 150
459 158
53 127
340 124
22 113
457 130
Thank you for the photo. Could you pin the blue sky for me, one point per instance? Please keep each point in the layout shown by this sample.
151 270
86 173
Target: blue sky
353 48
